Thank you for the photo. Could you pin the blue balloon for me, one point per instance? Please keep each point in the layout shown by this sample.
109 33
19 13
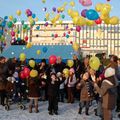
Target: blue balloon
45 49
38 27
1 32
33 15
6 17
92 14
3 24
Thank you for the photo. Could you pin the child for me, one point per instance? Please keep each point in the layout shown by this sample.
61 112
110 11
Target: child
53 90
61 89
87 93
70 83
33 86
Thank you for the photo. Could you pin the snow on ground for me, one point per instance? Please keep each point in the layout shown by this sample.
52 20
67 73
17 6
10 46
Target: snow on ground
66 112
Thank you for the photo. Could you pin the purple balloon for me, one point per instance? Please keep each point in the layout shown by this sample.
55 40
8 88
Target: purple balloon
54 9
46 24
83 13
29 13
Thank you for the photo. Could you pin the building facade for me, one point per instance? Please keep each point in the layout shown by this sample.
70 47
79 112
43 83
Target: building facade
92 39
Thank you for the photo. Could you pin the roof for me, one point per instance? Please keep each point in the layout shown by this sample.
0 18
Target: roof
65 51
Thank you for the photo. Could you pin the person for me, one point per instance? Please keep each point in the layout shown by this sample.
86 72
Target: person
70 84
61 88
33 93
87 93
53 90
108 91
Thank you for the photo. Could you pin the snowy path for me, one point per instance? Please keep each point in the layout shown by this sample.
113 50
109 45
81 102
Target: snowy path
66 112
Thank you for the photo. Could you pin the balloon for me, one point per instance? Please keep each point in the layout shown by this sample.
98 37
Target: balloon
29 45
22 22
78 28
94 63
99 7
6 17
11 17
72 3
85 2
36 19
26 38
66 72
107 21
83 13
22 75
43 1
33 15
60 22
70 63
75 46
9 24
98 21
38 52
33 73
22 57
12 33
26 72
63 16
52 59
29 13
106 9
114 20
47 16
92 14
44 49
56 35
32 63
54 9
81 21
90 22
74 14
14 20
18 12
24 26
103 17
67 36
46 24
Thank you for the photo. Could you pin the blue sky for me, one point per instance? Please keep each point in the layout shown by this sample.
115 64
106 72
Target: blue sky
9 7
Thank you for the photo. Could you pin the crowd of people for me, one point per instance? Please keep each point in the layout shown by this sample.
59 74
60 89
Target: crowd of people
82 84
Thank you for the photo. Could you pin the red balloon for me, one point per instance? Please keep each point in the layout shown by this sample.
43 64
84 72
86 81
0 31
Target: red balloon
56 35
52 59
26 38
22 75
12 33
68 32
98 21
26 72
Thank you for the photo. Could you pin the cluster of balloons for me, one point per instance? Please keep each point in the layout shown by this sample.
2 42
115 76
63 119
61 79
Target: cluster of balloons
25 73
105 10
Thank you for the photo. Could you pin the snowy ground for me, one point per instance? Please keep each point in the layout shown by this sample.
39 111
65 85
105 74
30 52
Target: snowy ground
66 112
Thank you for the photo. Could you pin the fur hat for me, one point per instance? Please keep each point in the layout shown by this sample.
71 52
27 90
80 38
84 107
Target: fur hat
109 72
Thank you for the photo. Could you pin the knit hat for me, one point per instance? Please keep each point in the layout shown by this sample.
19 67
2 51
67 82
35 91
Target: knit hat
72 70
109 72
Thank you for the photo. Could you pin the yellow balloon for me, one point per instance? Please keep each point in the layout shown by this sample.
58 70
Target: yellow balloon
47 16
114 20
81 21
103 17
38 52
90 22
22 57
69 12
66 72
32 63
70 63
36 19
57 17
18 12
29 45
43 1
75 46
60 22
11 17
98 7
74 14
94 63
106 9
107 21
72 3
33 73
65 3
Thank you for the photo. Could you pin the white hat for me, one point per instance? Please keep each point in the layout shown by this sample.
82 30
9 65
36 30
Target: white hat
59 74
109 72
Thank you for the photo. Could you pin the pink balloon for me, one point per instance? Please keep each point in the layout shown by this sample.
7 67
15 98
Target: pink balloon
26 72
52 59
22 75
78 28
12 33
86 2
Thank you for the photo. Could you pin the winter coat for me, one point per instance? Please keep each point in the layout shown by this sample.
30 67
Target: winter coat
60 67
108 92
86 90
33 86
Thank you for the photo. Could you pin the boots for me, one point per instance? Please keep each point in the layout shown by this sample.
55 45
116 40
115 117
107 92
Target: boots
80 111
36 109
30 108
86 111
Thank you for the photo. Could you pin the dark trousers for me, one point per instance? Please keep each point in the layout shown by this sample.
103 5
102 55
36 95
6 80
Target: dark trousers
70 91
53 103
61 95
107 114
2 96
85 104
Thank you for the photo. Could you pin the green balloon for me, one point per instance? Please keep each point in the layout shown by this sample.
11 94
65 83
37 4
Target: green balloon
14 20
28 28
2 38
18 31
22 22
63 16
45 19
24 26
9 24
